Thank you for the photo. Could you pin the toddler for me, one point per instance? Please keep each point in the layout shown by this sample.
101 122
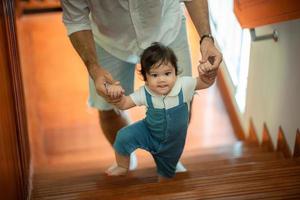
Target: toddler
167 98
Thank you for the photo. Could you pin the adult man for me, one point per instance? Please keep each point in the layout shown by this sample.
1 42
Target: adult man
109 36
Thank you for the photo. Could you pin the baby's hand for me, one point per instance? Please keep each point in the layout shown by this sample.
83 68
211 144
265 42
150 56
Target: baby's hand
114 91
206 71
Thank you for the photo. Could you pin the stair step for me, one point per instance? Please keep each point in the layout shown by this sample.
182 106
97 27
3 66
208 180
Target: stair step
195 170
226 154
285 192
216 186
237 147
231 158
264 183
239 171
205 161
98 182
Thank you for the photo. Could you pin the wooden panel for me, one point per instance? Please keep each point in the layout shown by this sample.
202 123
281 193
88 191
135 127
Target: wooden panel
14 149
253 13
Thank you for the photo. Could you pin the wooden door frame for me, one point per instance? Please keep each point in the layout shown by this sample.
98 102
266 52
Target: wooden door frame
20 145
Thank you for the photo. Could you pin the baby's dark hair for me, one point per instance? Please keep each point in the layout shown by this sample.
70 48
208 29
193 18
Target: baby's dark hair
157 54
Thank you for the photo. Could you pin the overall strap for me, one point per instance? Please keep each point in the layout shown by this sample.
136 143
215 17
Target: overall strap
148 98
180 97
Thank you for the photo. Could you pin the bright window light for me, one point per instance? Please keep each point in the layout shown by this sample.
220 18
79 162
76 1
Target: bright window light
234 43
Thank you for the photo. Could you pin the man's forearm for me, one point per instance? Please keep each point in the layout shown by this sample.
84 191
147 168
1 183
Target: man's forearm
84 44
198 10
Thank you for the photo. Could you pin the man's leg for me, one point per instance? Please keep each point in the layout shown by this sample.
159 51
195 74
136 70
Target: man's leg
111 122
110 119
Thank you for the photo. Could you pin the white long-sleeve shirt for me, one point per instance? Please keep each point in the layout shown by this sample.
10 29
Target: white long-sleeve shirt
125 27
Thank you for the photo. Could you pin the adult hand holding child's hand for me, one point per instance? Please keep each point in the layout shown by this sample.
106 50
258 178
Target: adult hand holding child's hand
114 92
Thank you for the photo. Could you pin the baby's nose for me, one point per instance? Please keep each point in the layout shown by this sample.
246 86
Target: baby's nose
161 78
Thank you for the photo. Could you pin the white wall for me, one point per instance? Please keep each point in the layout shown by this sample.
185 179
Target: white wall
273 93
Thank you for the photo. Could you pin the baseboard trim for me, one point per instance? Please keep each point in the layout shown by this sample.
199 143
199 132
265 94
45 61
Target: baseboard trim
297 145
282 145
230 106
266 139
252 137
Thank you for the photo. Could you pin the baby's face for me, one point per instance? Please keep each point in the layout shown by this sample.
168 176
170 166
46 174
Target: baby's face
161 80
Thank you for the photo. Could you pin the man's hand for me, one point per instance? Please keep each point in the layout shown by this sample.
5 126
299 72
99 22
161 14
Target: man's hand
210 53
102 79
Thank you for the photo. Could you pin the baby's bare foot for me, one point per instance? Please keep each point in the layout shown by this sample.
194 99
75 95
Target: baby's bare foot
116 170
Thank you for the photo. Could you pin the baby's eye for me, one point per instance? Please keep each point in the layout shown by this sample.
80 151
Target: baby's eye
154 75
168 73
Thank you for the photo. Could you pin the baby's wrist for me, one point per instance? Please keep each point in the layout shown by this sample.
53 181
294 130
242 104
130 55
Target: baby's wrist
205 79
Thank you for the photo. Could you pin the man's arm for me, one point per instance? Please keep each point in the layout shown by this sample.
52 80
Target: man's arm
198 10
76 19
84 44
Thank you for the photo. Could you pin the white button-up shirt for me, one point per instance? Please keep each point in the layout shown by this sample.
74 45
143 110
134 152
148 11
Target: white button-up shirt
125 27
186 83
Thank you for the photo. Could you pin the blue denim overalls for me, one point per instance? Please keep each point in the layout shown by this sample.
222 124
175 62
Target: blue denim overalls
162 133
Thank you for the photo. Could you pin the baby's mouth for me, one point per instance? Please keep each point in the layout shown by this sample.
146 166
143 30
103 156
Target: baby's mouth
163 86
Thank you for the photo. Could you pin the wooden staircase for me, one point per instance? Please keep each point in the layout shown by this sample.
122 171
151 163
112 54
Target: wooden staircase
239 171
